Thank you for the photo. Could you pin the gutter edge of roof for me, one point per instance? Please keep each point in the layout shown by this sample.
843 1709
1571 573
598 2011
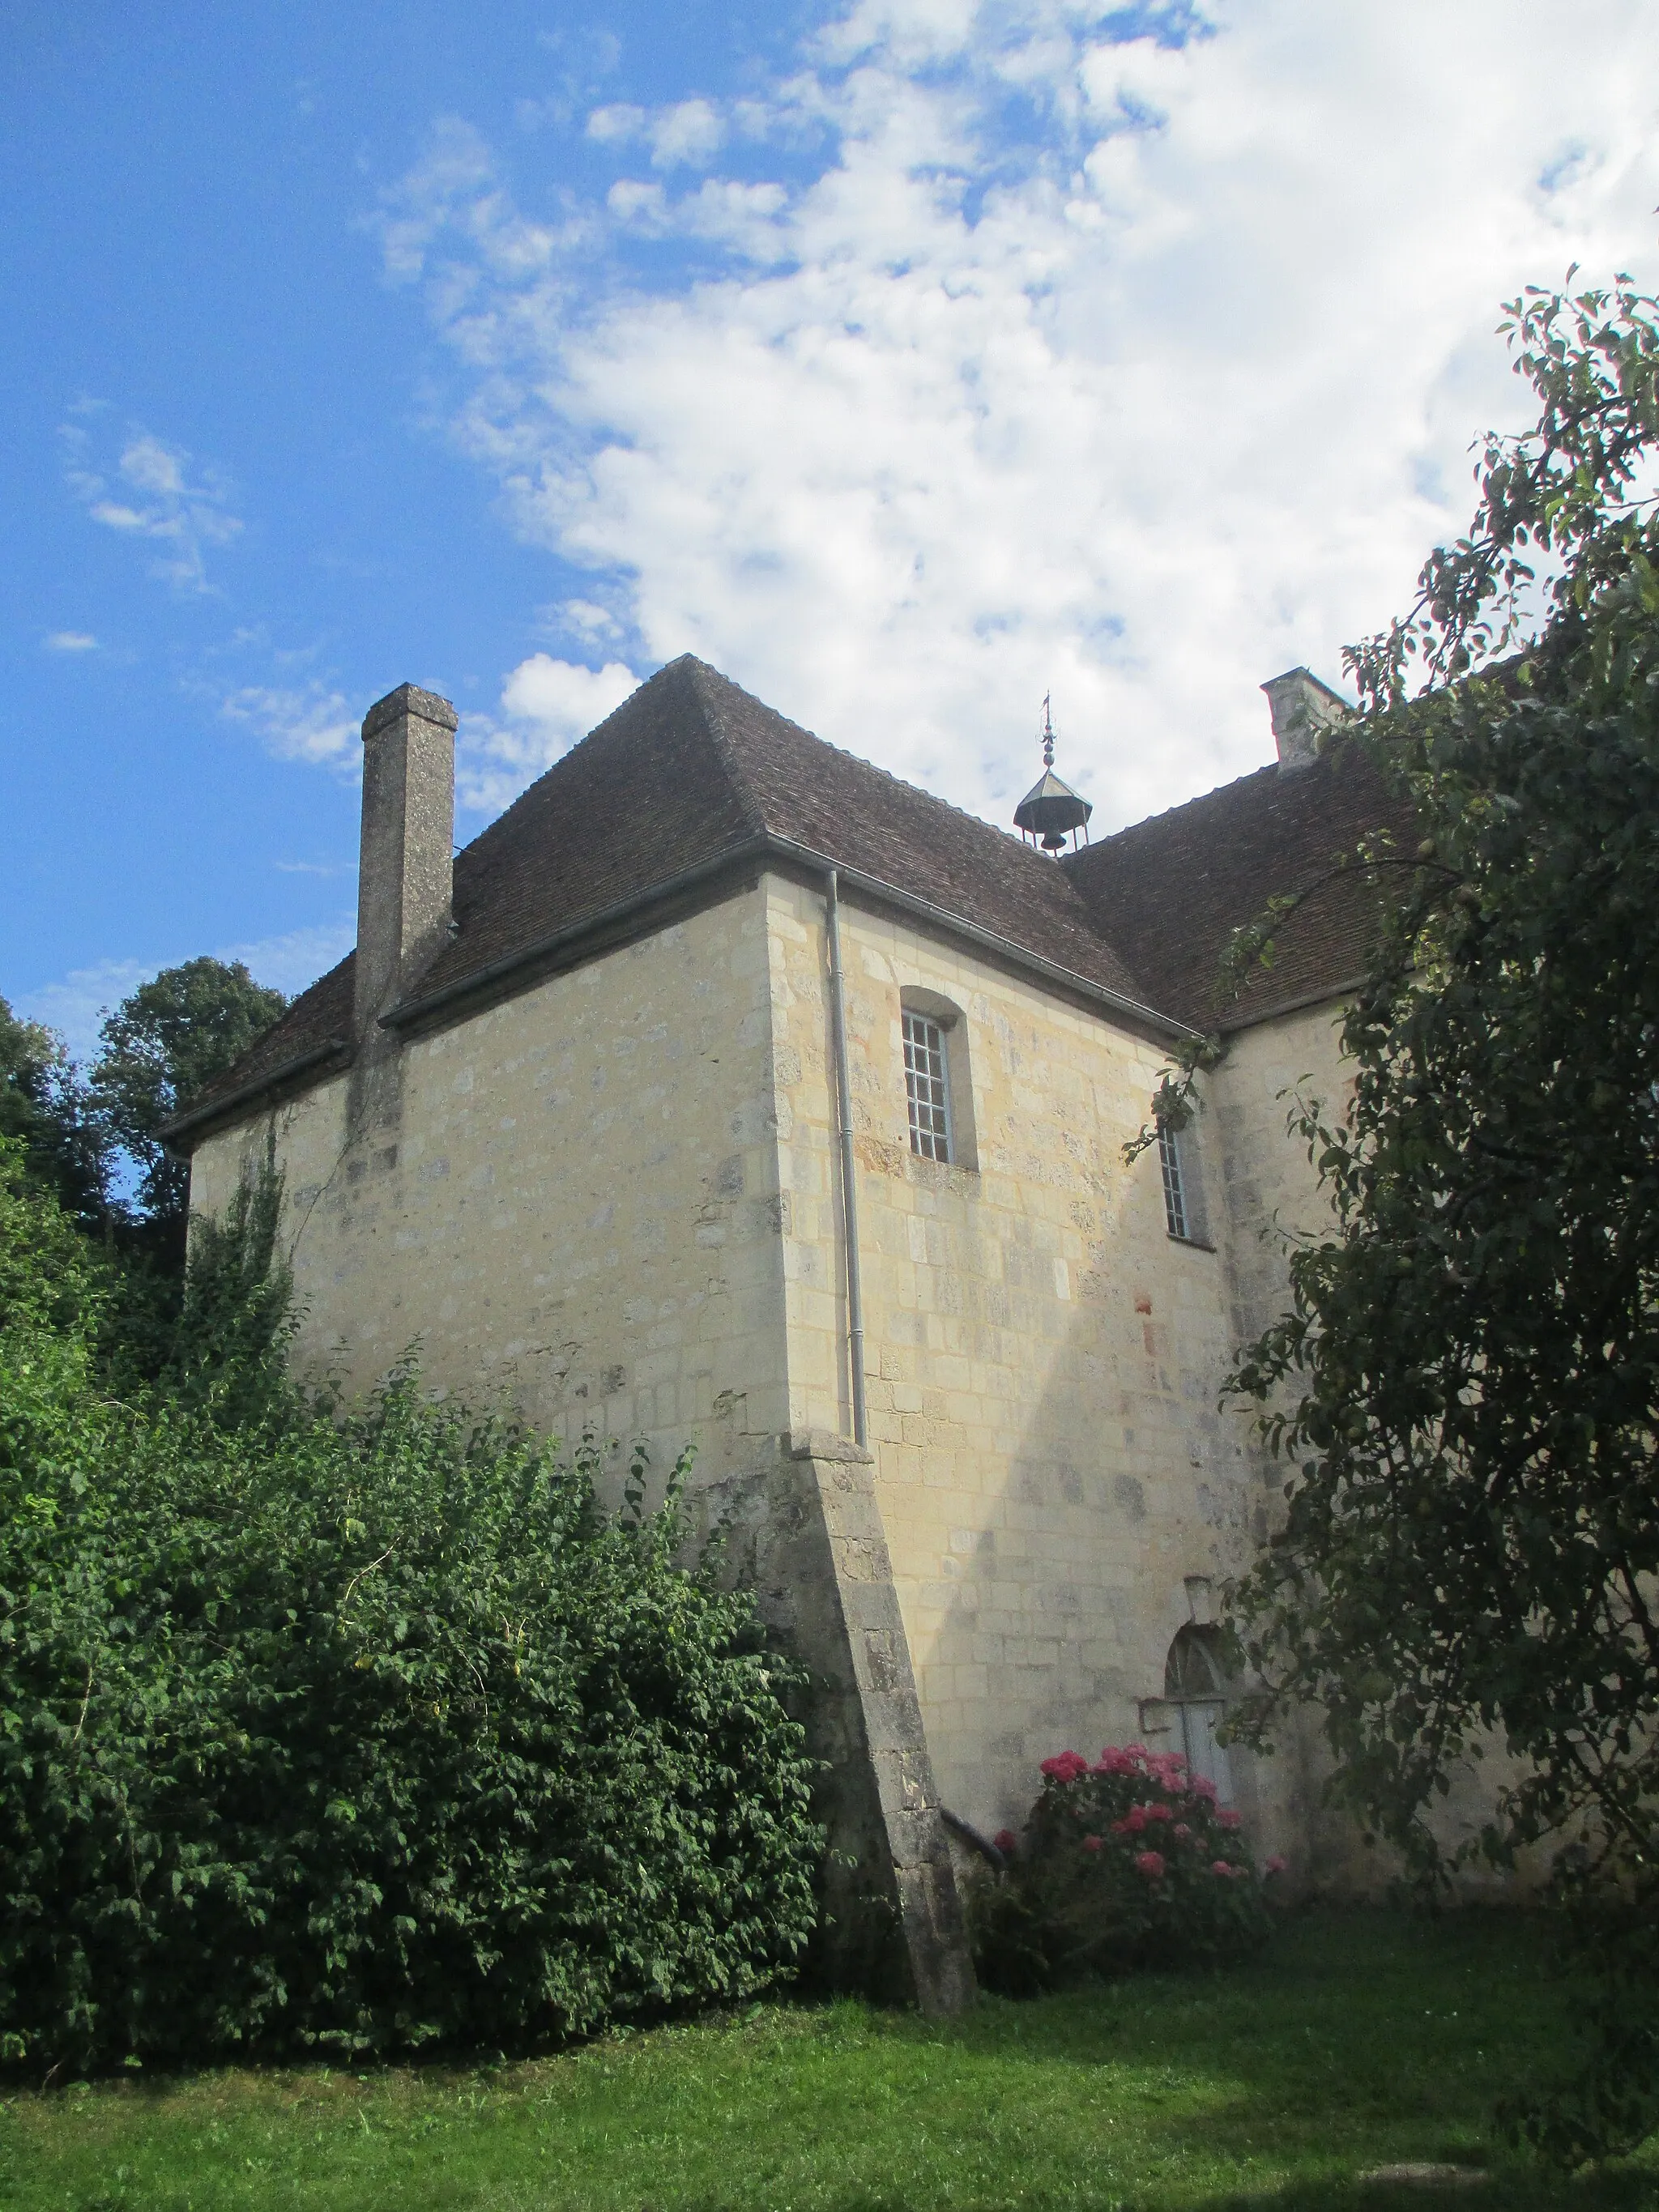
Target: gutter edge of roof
246 1093
767 846
770 846
1319 997
1100 994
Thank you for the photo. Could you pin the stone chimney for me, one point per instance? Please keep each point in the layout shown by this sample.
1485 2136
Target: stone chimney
406 873
1303 709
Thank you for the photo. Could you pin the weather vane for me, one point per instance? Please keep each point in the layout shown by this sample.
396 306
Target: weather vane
1051 809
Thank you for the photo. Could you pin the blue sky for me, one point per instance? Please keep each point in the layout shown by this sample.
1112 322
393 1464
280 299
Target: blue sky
906 358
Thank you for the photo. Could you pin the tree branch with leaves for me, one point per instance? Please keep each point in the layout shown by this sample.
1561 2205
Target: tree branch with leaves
1465 1386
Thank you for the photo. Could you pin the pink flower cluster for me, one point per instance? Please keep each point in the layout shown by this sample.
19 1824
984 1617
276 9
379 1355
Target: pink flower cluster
1113 1760
1138 1816
1166 1768
1066 1766
1173 1790
1007 1842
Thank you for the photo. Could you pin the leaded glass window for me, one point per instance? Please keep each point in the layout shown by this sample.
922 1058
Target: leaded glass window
927 1088
1175 1186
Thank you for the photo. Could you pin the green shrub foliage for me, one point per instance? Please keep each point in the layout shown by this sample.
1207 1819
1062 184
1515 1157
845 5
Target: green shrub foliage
355 1733
1127 1863
1463 1386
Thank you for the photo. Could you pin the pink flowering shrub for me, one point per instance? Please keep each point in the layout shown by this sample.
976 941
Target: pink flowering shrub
1069 1766
1126 1862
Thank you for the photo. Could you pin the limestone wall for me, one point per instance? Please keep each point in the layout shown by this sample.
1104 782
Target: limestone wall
1043 1358
1270 1191
572 1202
615 1199
569 1200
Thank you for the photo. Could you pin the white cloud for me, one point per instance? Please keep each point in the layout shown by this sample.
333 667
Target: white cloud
546 706
314 725
563 699
295 959
617 124
634 200
1142 398
687 135
71 641
586 617
76 1004
147 463
182 516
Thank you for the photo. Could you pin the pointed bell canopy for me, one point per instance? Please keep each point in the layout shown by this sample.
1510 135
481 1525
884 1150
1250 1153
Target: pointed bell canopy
1049 810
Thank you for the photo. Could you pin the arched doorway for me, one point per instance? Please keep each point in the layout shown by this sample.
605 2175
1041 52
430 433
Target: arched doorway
1194 1698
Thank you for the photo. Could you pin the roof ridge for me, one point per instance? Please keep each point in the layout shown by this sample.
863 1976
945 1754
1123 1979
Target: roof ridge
1010 839
720 745
725 745
536 781
691 769
1198 798
1329 758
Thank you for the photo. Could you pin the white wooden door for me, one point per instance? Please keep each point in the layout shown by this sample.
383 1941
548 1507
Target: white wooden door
1206 1760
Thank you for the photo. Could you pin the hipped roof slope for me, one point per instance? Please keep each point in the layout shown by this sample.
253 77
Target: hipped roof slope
1170 892
692 768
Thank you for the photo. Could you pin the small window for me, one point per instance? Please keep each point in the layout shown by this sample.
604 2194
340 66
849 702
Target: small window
1183 1186
1175 1187
927 1087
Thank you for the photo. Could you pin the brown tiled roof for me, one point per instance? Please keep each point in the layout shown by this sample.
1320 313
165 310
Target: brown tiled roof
1170 892
691 768
318 1018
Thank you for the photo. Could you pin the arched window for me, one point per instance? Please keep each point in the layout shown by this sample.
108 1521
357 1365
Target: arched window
927 1087
1194 1689
938 1088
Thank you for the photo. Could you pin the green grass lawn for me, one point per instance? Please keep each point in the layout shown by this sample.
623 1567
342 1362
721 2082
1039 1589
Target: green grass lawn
1363 2039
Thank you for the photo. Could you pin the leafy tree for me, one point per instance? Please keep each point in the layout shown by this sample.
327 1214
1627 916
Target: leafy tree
357 1729
45 1106
162 1045
1466 1383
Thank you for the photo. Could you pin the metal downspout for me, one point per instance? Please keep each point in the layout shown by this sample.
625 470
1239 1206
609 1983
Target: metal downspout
849 1195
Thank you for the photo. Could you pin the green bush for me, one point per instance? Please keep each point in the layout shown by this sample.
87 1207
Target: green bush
1124 1864
355 1733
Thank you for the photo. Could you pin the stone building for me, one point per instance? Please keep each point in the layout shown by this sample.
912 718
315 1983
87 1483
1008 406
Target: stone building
727 1089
